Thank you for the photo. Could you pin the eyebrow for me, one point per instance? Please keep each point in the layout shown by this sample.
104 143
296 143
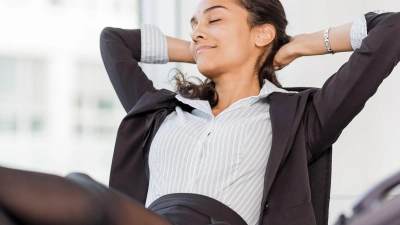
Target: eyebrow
208 10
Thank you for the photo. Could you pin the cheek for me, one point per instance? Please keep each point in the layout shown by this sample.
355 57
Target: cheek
234 54
236 45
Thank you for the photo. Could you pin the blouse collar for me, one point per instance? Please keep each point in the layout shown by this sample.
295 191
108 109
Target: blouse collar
203 105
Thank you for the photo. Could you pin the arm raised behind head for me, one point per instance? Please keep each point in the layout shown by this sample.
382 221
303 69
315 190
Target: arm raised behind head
121 52
345 93
123 49
313 44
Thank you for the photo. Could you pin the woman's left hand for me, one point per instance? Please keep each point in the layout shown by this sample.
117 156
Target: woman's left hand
313 44
286 54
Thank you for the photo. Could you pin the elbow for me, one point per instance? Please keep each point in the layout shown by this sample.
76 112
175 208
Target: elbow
389 26
106 34
384 38
393 34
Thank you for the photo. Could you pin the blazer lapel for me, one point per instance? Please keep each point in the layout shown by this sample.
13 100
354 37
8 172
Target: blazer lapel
286 112
283 109
129 170
154 106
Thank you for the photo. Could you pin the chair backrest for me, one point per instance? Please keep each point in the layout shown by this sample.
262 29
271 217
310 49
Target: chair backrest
320 173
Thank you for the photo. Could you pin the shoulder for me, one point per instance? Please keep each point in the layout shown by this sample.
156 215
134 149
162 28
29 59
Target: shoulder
154 100
293 92
293 102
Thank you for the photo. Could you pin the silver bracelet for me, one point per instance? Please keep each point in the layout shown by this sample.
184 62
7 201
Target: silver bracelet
327 44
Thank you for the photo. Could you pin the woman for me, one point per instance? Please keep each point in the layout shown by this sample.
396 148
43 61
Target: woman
232 151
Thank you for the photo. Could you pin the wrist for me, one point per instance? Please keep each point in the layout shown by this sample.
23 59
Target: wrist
301 45
314 43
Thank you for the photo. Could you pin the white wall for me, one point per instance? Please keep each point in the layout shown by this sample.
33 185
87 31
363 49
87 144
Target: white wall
367 151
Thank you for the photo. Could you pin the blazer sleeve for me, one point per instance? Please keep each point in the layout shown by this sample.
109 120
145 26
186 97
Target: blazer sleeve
121 52
345 93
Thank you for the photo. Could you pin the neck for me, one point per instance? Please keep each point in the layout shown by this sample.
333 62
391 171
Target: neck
231 88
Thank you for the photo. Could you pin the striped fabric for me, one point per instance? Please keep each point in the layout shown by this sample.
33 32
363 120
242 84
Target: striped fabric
221 157
359 30
154 45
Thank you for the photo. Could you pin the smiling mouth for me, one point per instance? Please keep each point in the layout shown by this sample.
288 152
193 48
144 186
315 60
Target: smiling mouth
204 49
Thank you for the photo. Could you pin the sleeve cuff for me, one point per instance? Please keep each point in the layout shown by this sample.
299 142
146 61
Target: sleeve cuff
154 45
359 30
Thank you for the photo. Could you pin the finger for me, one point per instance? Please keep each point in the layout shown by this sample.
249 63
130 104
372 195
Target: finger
276 65
280 67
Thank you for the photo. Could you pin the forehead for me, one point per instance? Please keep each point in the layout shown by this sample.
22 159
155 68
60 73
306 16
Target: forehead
203 5
199 2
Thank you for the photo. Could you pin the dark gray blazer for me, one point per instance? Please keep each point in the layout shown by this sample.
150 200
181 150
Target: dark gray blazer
304 125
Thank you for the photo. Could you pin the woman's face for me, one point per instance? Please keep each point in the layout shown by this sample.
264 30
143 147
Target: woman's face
221 39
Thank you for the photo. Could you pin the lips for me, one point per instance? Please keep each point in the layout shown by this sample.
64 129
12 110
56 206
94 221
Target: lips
202 48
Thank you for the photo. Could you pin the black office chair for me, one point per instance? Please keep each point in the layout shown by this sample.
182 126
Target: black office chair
378 206
320 174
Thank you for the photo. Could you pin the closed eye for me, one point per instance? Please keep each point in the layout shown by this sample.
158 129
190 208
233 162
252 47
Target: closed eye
213 21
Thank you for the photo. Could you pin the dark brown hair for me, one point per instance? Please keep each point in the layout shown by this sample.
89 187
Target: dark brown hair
260 12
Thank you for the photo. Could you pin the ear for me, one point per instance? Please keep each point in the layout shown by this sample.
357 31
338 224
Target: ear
263 35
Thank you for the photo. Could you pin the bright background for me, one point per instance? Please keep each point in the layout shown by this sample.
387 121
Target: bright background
59 113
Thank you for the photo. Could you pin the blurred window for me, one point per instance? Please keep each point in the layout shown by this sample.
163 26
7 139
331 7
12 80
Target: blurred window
23 85
56 2
125 6
7 79
96 103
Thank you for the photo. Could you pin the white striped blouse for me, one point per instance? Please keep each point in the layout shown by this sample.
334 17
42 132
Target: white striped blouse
222 157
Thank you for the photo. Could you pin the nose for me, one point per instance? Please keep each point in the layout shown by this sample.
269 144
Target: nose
198 33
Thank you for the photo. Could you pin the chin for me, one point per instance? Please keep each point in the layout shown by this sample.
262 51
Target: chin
208 69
